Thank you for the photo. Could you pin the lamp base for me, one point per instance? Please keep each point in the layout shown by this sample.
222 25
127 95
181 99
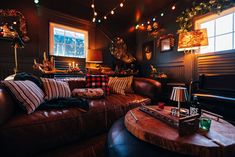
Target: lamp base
10 77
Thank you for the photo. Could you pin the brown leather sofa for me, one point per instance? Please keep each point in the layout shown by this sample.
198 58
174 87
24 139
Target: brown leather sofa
69 131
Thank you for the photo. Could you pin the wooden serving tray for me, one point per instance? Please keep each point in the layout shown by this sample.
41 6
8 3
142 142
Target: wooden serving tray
185 124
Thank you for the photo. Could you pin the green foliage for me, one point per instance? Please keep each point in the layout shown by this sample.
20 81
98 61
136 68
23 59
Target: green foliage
186 19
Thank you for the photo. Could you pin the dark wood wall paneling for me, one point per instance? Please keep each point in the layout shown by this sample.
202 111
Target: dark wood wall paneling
38 19
216 64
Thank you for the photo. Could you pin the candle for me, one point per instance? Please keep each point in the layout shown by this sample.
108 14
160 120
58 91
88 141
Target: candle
73 64
76 65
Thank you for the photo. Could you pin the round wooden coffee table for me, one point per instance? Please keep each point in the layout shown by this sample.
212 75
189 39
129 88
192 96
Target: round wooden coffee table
218 142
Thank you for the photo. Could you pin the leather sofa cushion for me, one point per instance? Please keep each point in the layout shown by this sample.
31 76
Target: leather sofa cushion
47 129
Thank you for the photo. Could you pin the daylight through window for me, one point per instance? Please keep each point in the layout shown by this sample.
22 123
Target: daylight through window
221 31
67 41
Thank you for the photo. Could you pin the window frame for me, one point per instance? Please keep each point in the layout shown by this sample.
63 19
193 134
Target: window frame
213 16
53 25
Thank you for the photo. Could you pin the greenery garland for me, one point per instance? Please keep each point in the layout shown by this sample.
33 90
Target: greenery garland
186 19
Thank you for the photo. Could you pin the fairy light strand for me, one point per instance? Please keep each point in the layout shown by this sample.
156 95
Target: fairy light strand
109 13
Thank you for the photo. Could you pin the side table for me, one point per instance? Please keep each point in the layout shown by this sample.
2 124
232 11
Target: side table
218 142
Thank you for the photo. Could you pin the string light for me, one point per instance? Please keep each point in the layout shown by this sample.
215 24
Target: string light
36 1
153 23
111 12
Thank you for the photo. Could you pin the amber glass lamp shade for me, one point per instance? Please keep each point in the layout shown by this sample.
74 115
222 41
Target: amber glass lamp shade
192 40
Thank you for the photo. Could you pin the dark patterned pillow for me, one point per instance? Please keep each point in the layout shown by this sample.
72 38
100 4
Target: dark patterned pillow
98 81
27 93
55 89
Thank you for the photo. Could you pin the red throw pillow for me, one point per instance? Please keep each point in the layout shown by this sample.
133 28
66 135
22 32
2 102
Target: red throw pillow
98 81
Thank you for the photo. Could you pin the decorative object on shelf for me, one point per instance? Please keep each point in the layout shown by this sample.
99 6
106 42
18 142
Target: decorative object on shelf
186 19
48 65
156 74
189 41
179 94
166 42
13 28
147 50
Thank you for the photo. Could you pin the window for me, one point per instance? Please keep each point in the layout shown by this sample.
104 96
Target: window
67 41
220 29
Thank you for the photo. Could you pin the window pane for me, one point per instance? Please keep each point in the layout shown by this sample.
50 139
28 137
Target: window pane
70 50
209 48
58 35
210 26
224 24
58 49
224 42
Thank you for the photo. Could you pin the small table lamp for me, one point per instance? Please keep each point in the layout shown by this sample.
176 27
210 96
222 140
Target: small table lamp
179 94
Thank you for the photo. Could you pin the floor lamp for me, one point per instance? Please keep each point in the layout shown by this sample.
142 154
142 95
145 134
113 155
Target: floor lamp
16 44
191 41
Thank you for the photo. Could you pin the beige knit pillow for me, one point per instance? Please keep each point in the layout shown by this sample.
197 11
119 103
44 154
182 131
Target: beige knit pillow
120 85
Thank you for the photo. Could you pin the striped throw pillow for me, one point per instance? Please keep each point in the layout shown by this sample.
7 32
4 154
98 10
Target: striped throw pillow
27 93
118 85
55 89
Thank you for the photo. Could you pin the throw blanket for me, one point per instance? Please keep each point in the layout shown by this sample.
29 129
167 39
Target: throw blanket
82 103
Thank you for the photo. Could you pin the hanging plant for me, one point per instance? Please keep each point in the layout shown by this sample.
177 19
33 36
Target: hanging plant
186 19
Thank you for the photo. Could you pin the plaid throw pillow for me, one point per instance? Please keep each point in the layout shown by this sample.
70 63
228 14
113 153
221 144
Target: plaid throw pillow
98 81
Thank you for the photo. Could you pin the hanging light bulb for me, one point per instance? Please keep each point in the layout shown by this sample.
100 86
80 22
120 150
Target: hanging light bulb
162 14
36 1
95 13
154 19
148 22
137 26
93 20
99 21
121 5
105 17
112 12
173 7
92 5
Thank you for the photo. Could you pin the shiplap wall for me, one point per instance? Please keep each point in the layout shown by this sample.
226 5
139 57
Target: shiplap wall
216 64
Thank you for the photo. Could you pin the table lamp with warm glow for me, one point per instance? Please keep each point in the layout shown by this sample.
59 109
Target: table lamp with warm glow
189 41
179 94
94 56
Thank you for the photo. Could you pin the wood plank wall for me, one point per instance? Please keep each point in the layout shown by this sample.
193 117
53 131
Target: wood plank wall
216 64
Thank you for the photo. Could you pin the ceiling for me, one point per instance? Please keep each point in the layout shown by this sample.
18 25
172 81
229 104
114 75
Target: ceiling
123 17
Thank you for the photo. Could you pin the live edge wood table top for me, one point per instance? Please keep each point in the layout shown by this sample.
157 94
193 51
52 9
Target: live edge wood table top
218 142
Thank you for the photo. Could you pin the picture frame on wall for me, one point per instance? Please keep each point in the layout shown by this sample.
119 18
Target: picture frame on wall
148 50
166 43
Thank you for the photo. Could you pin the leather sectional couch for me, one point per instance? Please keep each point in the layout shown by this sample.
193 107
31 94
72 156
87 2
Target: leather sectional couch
68 131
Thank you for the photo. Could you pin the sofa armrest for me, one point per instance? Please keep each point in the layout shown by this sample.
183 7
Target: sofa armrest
6 105
147 87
